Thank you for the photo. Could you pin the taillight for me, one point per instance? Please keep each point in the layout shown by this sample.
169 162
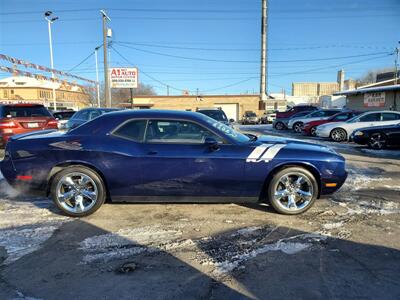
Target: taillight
52 123
7 124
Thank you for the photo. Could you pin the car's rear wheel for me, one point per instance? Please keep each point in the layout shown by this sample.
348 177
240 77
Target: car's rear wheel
279 126
338 135
298 127
313 131
377 141
78 191
292 191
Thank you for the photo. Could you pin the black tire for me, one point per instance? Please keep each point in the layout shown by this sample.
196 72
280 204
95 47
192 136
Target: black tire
279 126
377 141
298 127
276 181
338 135
94 176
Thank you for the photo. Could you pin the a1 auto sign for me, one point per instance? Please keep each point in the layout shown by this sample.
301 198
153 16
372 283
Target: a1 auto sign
124 78
374 99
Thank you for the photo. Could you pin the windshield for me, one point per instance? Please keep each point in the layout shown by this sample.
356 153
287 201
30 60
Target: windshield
250 114
229 131
218 115
353 119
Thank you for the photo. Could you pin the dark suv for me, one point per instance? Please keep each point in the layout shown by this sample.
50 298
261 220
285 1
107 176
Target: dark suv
216 114
22 118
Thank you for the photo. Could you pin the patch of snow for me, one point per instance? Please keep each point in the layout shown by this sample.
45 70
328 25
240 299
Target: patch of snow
329 226
394 152
1 176
131 241
25 226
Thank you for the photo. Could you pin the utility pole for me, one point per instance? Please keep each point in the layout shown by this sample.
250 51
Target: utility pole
97 76
167 90
264 31
396 65
106 75
50 21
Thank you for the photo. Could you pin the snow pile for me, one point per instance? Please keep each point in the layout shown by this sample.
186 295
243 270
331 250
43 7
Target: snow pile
25 226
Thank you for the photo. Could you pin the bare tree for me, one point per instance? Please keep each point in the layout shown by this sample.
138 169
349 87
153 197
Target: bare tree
119 96
370 76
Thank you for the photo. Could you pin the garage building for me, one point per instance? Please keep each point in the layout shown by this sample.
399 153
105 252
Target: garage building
378 96
233 105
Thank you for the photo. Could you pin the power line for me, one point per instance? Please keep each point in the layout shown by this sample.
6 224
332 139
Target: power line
144 73
85 59
249 61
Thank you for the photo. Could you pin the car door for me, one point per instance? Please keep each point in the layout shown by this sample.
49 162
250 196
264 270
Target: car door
178 162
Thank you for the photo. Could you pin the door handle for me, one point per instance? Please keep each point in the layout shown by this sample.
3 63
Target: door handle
152 152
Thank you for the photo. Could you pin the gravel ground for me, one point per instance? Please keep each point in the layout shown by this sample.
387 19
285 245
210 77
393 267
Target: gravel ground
346 246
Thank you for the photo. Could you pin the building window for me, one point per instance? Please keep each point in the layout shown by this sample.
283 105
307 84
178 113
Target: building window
5 93
12 92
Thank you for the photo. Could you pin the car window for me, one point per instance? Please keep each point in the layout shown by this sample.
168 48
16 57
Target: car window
390 117
25 111
371 118
182 132
94 114
133 130
343 117
328 113
317 114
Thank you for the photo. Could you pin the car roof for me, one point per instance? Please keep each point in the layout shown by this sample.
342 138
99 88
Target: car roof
22 105
155 113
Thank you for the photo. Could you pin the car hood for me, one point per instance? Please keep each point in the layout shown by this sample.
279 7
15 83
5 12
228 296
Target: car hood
297 145
369 128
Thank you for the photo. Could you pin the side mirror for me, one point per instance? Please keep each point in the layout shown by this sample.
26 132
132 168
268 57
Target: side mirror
212 143
231 120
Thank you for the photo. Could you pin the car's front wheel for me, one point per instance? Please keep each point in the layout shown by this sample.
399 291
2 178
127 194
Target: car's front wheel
78 191
292 191
338 135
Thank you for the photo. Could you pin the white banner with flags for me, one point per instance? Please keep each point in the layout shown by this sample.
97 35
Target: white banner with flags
123 78
374 99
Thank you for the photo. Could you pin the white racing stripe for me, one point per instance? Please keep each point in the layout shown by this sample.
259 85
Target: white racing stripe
272 152
257 153
264 152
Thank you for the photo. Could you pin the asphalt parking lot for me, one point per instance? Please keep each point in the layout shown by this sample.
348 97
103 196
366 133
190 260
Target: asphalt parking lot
346 246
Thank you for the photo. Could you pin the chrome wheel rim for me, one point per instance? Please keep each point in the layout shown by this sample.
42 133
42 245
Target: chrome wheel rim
279 126
294 191
297 128
338 135
77 192
377 141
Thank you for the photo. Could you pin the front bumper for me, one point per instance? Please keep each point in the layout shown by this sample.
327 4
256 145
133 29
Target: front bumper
339 181
322 133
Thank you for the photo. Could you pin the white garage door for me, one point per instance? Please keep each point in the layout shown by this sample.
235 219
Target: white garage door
231 110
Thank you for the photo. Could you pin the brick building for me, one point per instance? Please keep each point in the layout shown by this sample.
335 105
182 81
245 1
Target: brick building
20 89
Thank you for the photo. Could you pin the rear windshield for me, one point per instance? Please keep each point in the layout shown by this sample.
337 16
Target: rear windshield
25 111
215 114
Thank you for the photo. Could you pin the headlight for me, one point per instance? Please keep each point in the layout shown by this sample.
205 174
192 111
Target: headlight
359 133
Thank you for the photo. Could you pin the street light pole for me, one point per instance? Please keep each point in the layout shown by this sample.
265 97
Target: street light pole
97 77
47 14
106 82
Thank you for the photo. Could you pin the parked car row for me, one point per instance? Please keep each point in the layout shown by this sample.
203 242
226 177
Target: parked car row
376 129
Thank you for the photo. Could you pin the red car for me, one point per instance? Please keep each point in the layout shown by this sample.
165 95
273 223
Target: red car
310 127
22 118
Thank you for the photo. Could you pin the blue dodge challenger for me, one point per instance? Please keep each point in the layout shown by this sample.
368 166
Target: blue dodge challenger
169 156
